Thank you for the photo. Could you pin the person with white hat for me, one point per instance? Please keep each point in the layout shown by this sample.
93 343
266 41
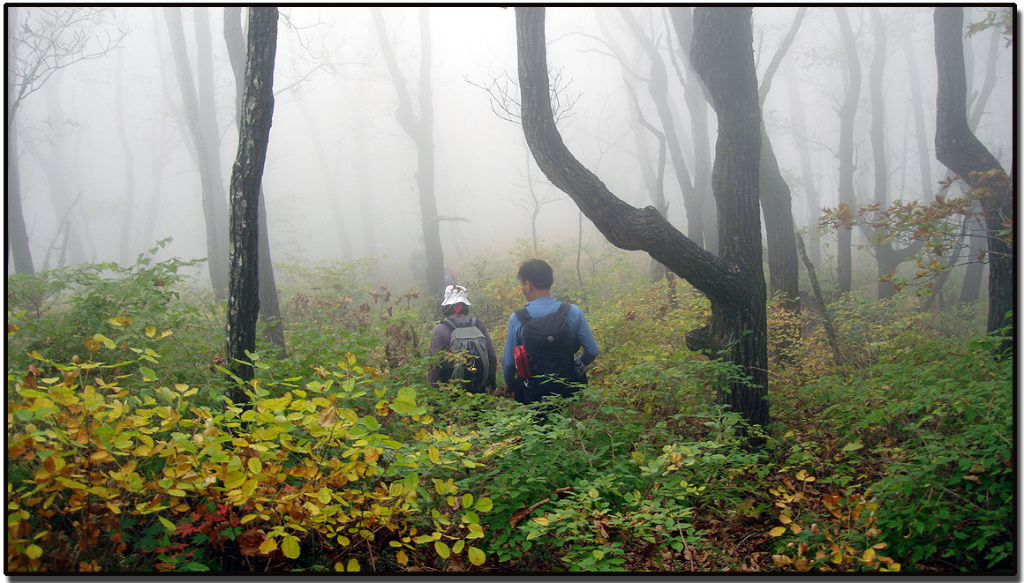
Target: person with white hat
465 333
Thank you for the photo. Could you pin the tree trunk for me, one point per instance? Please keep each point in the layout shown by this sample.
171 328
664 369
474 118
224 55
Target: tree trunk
884 253
270 307
734 282
776 199
246 178
695 95
847 115
17 247
806 175
421 130
970 290
128 221
657 87
207 156
958 148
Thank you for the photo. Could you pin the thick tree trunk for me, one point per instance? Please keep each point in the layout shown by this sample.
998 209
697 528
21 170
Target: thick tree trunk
847 115
246 178
734 282
207 156
958 148
270 307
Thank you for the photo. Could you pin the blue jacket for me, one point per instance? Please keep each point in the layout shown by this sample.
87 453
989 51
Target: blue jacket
542 307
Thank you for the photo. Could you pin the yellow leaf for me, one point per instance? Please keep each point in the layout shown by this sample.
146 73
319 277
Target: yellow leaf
106 341
784 519
343 540
435 456
442 549
777 531
467 500
34 551
541 520
268 546
290 546
869 556
255 465
476 556
150 331
403 559
353 566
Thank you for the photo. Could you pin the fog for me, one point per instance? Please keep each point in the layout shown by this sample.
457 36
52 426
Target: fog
339 180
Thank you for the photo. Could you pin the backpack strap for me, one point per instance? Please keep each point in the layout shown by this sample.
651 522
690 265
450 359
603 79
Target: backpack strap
523 316
448 322
563 309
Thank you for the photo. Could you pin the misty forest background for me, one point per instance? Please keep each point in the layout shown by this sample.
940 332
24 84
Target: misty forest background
399 151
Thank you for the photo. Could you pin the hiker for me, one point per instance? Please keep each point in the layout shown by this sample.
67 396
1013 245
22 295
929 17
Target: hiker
476 367
542 340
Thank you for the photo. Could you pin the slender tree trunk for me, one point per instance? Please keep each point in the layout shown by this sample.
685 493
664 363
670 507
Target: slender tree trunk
270 307
128 222
421 130
696 98
883 251
207 156
810 189
847 115
776 199
17 247
246 178
958 148
734 282
657 86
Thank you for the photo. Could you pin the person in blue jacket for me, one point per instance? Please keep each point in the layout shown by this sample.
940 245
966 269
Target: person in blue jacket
550 334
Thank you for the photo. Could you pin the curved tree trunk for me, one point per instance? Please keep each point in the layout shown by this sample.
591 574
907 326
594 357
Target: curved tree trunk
734 281
958 148
246 179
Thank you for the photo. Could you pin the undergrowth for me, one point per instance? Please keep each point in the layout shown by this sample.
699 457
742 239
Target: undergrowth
124 453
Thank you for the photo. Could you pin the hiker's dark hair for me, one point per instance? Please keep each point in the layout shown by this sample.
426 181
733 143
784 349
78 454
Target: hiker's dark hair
537 272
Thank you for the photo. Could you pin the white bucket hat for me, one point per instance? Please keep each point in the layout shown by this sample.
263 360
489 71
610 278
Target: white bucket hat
455 294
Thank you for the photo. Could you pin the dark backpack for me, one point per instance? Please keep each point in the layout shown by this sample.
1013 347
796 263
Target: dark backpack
550 349
470 365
